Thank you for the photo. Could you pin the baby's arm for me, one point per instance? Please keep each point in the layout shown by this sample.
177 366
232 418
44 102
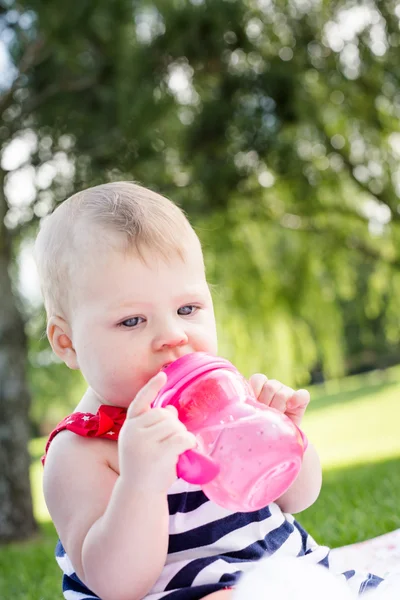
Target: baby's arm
115 527
306 488
115 536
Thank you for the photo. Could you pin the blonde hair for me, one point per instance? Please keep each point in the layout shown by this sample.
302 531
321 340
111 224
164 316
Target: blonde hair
142 220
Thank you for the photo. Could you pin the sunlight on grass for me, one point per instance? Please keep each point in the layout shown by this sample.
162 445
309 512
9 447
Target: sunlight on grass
356 430
356 503
39 505
36 448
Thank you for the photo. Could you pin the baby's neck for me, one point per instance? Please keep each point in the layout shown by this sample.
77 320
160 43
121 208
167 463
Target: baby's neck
90 402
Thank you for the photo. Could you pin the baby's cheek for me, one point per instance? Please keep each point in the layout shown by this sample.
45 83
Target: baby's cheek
112 383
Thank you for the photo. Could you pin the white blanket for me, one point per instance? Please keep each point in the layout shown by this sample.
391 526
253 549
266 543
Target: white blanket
380 555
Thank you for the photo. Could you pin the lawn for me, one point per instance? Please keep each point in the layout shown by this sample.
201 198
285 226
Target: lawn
354 424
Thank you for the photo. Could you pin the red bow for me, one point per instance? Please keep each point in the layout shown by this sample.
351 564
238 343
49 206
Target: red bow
106 423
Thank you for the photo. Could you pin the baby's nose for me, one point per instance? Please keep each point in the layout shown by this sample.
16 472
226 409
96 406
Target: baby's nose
170 337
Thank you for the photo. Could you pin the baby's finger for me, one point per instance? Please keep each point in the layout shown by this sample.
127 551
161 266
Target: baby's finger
180 442
279 401
297 405
269 392
300 399
149 418
166 429
146 395
257 381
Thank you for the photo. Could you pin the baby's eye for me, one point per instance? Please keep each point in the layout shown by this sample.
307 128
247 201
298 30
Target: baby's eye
189 309
132 322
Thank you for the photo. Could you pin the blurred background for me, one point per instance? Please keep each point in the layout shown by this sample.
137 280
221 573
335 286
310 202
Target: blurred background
275 126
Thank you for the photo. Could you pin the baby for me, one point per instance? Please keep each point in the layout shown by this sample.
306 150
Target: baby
125 292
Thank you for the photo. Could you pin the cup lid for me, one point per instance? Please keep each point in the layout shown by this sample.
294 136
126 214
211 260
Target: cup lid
186 368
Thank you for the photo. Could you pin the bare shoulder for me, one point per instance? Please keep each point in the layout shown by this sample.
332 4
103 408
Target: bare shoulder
79 477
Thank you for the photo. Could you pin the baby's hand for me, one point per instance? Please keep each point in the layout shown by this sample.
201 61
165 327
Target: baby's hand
151 441
281 397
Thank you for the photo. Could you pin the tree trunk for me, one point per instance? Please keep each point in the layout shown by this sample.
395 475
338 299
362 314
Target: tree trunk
16 513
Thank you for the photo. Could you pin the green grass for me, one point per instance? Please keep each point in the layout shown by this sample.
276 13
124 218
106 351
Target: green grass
353 423
357 420
355 504
28 570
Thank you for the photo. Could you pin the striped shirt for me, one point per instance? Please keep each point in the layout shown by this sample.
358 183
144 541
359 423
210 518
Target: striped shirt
209 547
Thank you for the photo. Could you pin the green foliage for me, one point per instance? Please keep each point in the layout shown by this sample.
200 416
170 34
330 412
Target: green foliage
273 124
56 390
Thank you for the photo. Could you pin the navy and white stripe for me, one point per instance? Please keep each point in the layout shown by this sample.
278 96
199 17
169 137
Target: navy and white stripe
211 547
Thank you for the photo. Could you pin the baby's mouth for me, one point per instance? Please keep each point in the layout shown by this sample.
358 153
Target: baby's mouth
169 362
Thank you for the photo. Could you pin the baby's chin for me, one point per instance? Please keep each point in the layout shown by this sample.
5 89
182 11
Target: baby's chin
117 398
124 396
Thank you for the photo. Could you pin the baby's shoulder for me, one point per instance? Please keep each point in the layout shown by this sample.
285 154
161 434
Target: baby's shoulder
78 477
69 451
90 433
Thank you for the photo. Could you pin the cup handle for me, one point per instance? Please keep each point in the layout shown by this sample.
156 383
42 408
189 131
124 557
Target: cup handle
194 467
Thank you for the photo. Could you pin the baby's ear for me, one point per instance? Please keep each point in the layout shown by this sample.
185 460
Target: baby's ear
59 334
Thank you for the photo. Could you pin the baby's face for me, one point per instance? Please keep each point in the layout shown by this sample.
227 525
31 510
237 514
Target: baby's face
129 319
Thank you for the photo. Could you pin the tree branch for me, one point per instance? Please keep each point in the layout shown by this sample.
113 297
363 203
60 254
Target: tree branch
384 196
29 58
77 85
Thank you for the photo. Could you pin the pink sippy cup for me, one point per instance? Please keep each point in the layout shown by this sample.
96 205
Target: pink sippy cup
248 454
